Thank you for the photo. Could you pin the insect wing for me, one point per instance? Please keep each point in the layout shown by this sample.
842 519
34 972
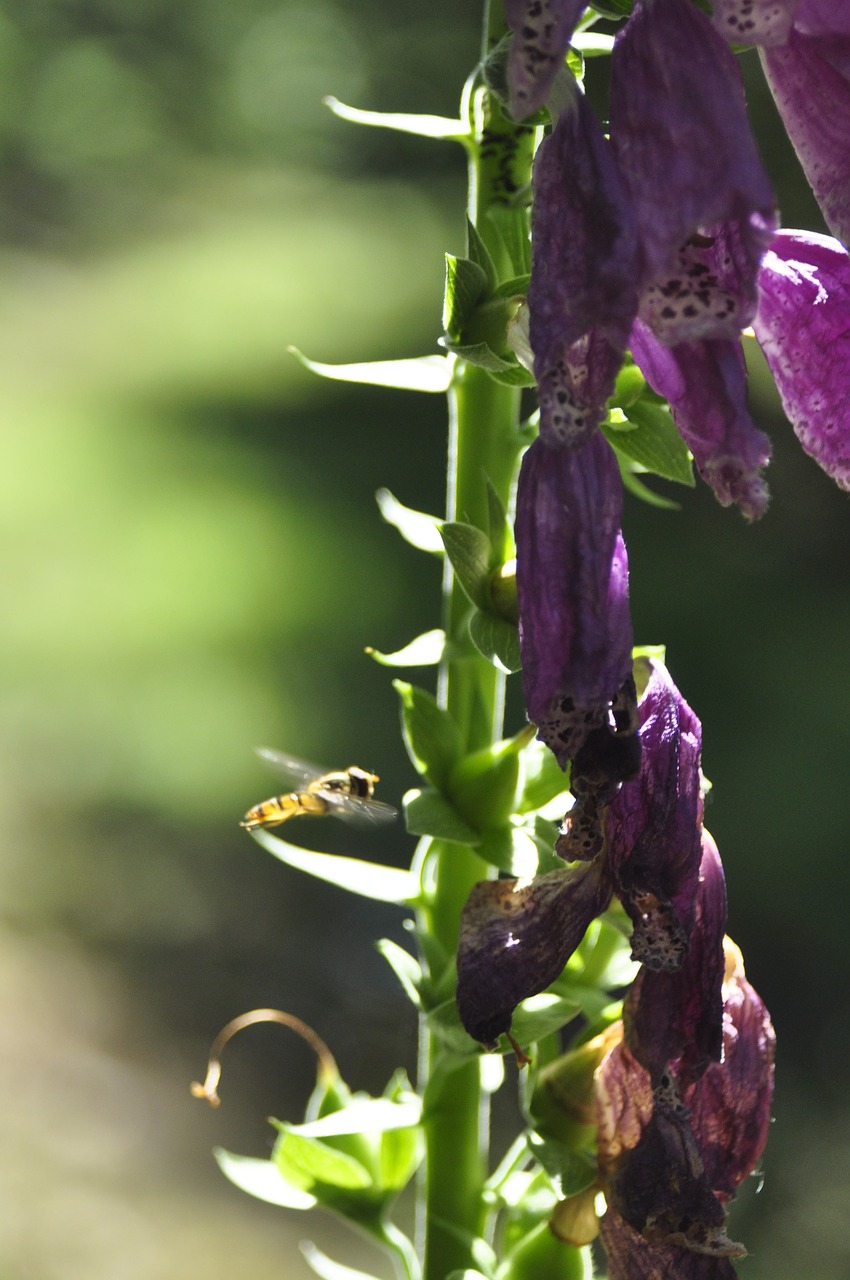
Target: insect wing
295 772
353 809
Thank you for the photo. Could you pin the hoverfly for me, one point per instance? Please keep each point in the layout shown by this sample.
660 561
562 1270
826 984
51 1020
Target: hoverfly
345 793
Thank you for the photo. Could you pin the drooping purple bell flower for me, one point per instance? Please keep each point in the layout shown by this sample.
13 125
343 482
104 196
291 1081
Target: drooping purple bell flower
542 31
680 132
706 385
572 585
803 327
583 292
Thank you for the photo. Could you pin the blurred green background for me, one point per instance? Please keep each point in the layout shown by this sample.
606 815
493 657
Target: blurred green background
192 564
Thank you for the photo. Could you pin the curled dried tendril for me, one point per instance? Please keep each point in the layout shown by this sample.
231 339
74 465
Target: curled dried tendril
327 1068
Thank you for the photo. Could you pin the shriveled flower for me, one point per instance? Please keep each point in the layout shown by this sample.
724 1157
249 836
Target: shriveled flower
809 77
572 585
706 385
542 31
803 326
680 132
583 292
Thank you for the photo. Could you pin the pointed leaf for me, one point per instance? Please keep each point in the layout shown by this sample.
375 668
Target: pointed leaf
416 527
405 967
497 640
517 286
540 1016
652 441
431 735
363 1115
425 651
511 849
423 126
482 355
466 286
263 1180
515 376
638 489
499 526
312 1164
424 373
472 558
512 224
326 1268
480 255
428 813
543 779
368 879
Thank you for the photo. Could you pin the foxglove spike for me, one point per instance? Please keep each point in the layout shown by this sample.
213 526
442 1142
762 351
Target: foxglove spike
803 326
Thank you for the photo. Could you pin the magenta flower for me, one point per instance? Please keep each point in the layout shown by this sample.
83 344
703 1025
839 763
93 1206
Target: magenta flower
572 585
542 31
706 385
803 326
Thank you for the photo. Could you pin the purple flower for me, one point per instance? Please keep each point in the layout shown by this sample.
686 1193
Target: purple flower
803 326
572 585
542 31
705 383
809 76
583 292
680 132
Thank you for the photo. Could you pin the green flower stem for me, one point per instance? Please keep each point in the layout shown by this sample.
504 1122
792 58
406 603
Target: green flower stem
484 443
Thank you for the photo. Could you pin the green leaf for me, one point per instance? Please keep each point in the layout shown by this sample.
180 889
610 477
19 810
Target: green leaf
516 286
483 355
428 813
312 1164
516 376
480 255
326 1268
444 1022
405 967
472 558
368 879
512 224
424 373
263 1180
543 778
466 286
416 527
511 849
423 126
431 735
539 1016
425 651
638 489
496 639
653 443
593 44
363 1115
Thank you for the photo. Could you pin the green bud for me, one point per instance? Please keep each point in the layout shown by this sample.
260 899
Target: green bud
542 1256
629 386
503 591
562 1105
483 786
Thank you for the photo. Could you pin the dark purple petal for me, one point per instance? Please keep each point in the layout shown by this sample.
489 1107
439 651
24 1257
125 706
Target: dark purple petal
572 585
583 239
678 1016
650 1162
764 22
813 98
706 385
710 294
654 827
803 326
630 1257
516 937
542 31
730 1104
583 293
680 133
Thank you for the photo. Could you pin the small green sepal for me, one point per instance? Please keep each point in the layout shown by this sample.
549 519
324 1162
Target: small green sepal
483 785
466 287
429 813
431 735
480 254
472 558
648 436
418 528
540 1255
496 640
